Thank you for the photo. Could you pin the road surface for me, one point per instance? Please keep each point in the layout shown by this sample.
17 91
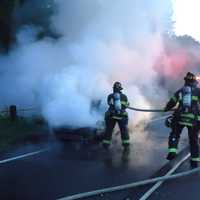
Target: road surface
69 168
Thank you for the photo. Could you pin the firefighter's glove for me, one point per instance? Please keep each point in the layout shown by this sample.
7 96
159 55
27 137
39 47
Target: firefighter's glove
166 109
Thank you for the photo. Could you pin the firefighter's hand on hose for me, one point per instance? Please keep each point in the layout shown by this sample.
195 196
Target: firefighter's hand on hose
166 109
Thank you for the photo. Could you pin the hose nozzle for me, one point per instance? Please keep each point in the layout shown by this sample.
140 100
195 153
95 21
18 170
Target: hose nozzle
198 78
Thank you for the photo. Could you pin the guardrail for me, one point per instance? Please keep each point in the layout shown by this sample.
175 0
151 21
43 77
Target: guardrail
13 111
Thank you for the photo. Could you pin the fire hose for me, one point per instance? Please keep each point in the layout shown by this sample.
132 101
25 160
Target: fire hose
158 180
148 110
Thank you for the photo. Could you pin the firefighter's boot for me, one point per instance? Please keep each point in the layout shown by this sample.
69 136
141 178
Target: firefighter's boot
194 162
171 155
126 149
106 146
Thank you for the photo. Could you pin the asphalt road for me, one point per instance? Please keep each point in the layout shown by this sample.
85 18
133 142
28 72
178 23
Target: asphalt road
70 168
182 188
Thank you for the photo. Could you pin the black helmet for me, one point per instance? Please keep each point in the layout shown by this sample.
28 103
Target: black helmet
190 77
117 86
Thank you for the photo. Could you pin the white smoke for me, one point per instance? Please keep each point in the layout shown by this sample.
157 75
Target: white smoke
102 42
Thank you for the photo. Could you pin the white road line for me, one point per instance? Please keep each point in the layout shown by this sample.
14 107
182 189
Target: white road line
23 156
158 184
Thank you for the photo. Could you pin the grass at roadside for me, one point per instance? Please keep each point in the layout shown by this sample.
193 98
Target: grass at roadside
12 133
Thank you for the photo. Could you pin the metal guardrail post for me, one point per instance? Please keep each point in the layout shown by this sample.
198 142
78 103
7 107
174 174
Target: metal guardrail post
13 112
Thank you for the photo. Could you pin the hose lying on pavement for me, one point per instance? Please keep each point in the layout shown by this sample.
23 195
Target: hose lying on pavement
147 194
132 185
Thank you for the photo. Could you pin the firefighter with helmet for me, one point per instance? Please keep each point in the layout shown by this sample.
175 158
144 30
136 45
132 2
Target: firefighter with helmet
116 114
187 114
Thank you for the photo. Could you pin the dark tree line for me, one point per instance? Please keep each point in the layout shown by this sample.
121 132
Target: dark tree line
7 8
16 13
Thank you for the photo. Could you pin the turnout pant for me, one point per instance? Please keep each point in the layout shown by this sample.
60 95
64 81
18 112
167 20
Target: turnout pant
123 126
193 140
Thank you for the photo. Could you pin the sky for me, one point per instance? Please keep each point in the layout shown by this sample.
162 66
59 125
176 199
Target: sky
186 16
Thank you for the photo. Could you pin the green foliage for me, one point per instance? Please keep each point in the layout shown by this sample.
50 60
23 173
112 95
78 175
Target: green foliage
15 132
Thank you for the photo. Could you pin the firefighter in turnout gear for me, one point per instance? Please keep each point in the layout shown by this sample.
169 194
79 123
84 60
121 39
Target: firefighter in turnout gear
187 114
116 114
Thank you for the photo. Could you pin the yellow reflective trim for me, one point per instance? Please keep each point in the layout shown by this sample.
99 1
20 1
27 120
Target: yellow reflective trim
172 150
185 123
106 142
126 141
195 98
125 113
114 117
174 99
197 159
189 115
125 103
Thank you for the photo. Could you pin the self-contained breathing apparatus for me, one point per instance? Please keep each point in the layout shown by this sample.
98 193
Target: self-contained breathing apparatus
117 114
185 100
116 100
186 95
117 103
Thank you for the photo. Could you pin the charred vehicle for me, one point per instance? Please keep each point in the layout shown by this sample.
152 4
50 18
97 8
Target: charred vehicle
91 134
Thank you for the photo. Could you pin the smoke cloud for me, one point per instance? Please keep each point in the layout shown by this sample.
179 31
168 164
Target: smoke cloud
100 42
